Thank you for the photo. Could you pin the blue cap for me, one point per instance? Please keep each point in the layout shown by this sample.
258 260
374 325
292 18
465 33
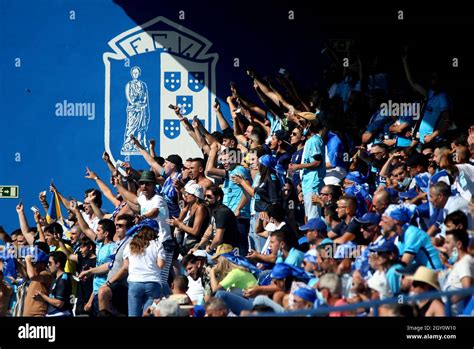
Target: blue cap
268 161
325 242
42 257
315 224
409 194
369 219
280 271
401 213
356 176
149 223
311 256
199 311
283 270
307 294
386 246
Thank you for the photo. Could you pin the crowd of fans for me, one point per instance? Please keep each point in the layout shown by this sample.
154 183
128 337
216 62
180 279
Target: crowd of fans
301 201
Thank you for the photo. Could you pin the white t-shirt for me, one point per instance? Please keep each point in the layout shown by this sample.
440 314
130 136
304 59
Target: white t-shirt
462 268
457 203
143 267
465 181
195 290
157 201
92 223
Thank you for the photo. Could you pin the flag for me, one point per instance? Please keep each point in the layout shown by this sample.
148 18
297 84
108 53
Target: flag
54 210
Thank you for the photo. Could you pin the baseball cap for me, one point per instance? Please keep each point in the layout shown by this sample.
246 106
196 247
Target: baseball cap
386 246
311 256
308 294
175 159
200 253
268 161
408 195
369 219
314 224
196 190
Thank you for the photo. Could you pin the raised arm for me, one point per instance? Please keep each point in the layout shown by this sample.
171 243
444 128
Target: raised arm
70 256
106 158
416 86
272 94
220 116
82 223
201 141
63 200
211 169
25 230
128 196
43 201
152 148
31 271
187 125
246 103
117 182
102 186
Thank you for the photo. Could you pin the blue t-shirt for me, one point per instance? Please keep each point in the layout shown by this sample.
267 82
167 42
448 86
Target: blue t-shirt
403 141
104 253
394 279
171 195
312 180
335 150
417 242
436 104
295 258
233 192
296 159
378 126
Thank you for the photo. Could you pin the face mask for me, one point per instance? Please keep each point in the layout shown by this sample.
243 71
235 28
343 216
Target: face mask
162 172
405 182
454 256
320 296
413 293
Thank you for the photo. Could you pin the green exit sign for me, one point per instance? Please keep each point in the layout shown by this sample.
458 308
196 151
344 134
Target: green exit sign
8 191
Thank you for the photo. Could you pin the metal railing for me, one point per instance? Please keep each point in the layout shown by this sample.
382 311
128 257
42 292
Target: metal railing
400 300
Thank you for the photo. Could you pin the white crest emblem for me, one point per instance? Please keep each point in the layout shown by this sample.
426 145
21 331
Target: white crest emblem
152 66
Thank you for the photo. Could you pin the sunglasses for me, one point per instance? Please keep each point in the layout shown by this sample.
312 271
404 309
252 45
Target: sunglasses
120 225
294 134
209 197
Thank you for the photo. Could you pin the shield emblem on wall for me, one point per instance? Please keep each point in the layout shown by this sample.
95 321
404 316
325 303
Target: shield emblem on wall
171 128
172 81
196 81
154 58
185 103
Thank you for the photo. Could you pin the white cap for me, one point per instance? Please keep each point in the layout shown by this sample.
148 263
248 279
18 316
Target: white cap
378 282
200 253
196 190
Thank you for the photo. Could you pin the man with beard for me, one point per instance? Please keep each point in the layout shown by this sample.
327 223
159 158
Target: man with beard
223 222
413 243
